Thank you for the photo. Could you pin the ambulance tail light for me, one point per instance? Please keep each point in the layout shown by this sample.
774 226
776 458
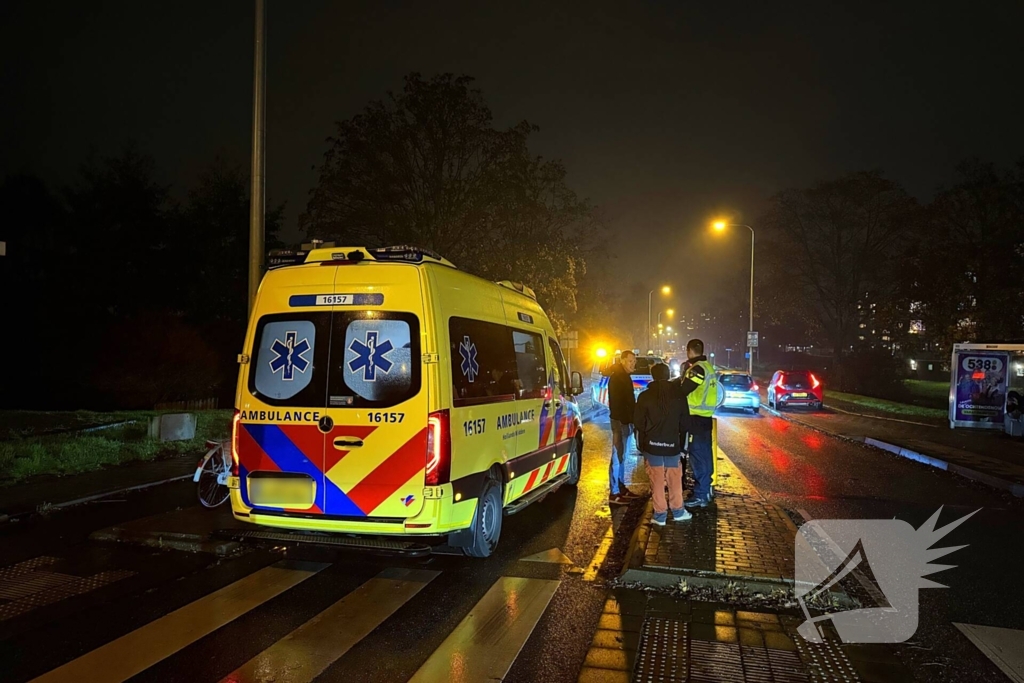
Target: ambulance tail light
439 448
234 443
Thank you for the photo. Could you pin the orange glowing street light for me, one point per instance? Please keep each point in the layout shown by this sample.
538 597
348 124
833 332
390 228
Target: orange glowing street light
720 226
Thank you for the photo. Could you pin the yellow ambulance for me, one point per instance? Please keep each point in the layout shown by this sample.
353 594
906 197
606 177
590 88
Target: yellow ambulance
385 392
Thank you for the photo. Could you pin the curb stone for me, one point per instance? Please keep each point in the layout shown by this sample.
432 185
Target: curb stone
25 514
965 472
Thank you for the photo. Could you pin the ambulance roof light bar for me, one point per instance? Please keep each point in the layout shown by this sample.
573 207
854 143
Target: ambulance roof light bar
519 287
401 253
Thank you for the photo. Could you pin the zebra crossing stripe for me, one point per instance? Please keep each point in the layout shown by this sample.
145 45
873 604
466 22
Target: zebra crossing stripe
307 651
487 641
135 652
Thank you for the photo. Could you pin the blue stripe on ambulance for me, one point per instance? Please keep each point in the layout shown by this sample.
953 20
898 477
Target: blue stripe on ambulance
289 458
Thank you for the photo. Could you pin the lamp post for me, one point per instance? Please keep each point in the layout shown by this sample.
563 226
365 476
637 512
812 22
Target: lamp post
666 290
256 200
720 226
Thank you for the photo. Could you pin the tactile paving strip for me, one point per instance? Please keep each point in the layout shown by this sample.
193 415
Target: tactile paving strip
662 656
668 654
713 662
8 573
826 662
25 587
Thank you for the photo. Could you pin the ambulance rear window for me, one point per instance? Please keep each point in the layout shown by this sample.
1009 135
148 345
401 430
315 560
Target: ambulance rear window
375 359
290 359
347 359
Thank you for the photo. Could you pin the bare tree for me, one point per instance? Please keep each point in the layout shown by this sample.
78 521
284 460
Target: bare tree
833 245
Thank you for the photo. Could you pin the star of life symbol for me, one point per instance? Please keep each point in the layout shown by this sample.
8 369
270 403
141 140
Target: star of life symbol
289 356
370 356
830 551
470 366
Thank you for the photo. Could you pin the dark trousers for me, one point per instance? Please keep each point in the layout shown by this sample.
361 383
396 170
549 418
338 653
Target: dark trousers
702 462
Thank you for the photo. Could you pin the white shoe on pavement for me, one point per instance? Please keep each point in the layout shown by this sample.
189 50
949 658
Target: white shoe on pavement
683 516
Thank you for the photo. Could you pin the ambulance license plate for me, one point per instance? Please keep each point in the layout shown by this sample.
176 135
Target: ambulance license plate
281 492
799 394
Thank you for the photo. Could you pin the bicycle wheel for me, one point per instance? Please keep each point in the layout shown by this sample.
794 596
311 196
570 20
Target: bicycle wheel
212 494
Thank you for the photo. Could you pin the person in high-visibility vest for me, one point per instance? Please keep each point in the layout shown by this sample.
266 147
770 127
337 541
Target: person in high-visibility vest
700 386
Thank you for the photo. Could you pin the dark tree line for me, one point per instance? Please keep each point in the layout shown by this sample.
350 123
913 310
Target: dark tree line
427 167
858 266
115 294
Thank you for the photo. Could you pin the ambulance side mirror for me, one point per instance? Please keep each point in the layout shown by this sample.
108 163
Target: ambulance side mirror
577 383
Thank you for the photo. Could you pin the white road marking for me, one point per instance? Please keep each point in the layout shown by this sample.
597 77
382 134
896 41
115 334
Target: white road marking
485 644
1004 646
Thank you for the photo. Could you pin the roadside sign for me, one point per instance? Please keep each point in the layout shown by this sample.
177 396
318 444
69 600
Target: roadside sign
569 340
752 339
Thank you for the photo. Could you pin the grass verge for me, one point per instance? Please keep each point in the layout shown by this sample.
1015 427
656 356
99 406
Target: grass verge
880 405
928 394
73 453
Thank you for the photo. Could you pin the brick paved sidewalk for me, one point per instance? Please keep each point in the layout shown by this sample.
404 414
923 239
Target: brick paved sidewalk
659 638
741 535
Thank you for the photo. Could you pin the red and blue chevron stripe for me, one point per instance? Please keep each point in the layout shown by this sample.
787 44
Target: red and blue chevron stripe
303 449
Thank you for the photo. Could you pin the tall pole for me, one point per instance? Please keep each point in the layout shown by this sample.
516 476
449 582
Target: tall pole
660 342
647 336
256 199
750 349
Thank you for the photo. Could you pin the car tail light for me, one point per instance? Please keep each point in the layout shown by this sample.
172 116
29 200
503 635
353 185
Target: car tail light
754 387
781 380
814 381
234 442
439 449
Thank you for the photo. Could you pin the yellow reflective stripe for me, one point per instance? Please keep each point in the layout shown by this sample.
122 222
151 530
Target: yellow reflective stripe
696 379
135 652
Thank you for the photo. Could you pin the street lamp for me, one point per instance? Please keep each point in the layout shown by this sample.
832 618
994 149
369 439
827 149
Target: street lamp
720 226
665 290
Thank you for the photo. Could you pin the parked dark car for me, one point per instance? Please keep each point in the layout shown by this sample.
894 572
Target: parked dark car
790 388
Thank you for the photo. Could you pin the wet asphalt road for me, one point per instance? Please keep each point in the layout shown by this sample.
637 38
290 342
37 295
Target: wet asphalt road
801 469
572 520
804 471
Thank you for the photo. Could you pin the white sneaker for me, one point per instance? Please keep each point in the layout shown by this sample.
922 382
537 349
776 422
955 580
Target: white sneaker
684 516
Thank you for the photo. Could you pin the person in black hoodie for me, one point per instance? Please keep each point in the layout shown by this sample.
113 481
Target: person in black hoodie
661 421
621 406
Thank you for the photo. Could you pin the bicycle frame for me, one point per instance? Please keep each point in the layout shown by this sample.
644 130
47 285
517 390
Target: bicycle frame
222 476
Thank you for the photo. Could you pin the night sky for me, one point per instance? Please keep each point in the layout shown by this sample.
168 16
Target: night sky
664 113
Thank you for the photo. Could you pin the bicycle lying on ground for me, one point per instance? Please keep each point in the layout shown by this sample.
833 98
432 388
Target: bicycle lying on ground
212 474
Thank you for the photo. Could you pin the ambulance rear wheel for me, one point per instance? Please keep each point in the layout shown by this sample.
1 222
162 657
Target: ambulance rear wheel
575 466
486 521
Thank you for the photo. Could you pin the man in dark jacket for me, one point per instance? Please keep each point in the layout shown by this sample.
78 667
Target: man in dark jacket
621 406
661 422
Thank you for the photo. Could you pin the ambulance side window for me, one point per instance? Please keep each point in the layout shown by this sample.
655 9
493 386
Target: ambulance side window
483 362
530 363
561 374
289 359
